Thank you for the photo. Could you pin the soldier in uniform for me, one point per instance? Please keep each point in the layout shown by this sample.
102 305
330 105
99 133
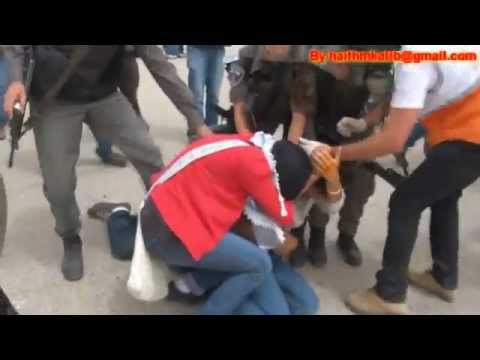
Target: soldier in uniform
272 85
276 85
89 95
345 90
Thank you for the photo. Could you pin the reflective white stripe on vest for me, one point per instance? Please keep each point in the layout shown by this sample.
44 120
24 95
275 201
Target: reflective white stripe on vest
197 154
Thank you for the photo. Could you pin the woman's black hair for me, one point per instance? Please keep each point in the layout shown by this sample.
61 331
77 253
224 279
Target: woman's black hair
293 167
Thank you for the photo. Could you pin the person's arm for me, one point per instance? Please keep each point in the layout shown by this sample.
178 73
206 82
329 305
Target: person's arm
166 76
15 57
412 83
240 117
390 140
237 77
375 115
328 167
286 248
302 99
297 127
256 178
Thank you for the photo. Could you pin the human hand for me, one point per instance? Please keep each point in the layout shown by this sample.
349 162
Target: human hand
15 94
326 162
286 248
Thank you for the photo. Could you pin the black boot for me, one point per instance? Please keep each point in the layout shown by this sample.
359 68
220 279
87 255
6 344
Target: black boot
298 258
72 264
348 248
317 253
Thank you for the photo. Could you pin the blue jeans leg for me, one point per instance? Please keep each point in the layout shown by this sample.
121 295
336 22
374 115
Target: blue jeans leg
213 84
249 308
267 299
122 227
246 264
283 292
300 296
197 61
269 296
3 89
104 150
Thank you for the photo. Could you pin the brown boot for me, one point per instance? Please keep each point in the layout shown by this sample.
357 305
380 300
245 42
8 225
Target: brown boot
367 302
426 281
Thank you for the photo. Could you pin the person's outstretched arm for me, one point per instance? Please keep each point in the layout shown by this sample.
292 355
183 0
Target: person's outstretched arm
166 76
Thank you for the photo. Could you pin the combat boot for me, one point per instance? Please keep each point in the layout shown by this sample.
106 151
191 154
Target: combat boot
72 264
298 258
317 253
348 248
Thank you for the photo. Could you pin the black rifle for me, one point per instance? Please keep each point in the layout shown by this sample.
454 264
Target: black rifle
16 124
389 175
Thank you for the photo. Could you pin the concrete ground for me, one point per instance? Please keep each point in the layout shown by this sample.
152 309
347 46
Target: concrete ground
29 267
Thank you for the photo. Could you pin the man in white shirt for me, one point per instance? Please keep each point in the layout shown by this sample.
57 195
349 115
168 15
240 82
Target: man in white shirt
445 96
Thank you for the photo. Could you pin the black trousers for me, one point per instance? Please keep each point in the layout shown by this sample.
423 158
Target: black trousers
436 184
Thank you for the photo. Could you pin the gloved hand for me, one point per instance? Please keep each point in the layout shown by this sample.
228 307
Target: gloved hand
326 164
349 126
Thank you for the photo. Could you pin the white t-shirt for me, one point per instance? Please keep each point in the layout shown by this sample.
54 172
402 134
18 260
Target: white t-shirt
432 85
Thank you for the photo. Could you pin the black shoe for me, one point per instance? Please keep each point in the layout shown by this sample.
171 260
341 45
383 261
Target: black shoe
298 258
176 295
102 211
317 253
115 159
72 264
348 248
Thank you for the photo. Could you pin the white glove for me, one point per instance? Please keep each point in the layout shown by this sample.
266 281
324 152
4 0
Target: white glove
349 126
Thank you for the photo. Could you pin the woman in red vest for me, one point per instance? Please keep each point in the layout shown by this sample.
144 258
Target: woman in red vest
204 191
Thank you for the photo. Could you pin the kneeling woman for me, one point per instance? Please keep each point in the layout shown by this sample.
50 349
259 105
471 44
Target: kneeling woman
201 194
283 291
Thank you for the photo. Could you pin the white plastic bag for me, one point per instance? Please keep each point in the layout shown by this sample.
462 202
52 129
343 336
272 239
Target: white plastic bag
147 281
